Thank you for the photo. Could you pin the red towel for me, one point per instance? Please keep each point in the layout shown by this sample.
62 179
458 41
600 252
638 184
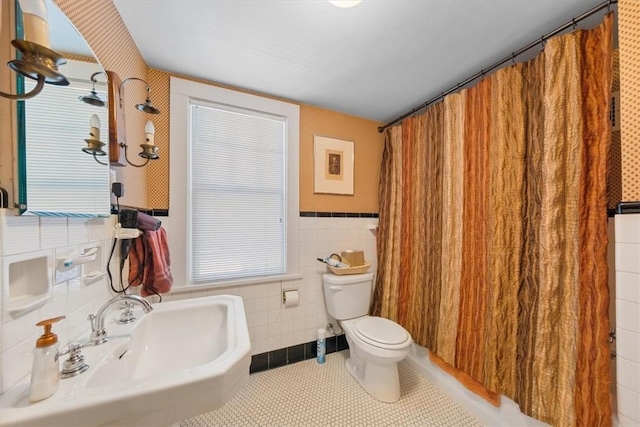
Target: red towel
149 263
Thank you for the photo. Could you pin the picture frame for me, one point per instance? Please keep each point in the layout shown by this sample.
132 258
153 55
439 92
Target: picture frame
333 165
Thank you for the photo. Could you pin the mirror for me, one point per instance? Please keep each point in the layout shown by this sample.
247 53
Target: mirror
55 177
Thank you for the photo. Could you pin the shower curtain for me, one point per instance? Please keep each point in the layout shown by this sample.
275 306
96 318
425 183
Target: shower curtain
493 230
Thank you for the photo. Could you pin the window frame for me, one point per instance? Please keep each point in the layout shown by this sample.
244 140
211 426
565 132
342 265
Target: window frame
182 93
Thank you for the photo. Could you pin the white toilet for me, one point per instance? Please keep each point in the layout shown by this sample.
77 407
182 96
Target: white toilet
376 345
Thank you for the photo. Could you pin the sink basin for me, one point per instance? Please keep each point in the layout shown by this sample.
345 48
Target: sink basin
183 359
160 344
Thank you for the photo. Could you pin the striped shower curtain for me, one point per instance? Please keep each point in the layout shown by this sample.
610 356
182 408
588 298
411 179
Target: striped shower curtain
493 230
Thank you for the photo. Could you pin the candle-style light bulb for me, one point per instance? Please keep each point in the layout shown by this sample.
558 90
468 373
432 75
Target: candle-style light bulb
35 18
95 127
150 131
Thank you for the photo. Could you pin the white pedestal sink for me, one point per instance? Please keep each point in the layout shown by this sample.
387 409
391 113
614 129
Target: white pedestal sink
183 359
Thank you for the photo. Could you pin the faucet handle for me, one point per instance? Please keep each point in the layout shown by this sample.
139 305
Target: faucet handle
75 364
91 318
127 315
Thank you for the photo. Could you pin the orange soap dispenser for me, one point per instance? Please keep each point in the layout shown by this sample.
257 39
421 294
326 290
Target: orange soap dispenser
45 374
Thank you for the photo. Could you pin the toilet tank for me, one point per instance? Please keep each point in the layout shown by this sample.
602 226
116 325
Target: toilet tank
348 296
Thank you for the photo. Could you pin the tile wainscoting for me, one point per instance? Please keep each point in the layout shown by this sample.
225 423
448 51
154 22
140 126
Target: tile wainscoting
627 292
71 296
272 327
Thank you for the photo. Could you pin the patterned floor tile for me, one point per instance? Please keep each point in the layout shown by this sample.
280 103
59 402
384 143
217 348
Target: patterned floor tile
311 394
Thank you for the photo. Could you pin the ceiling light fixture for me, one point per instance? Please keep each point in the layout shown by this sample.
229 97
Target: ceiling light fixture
345 3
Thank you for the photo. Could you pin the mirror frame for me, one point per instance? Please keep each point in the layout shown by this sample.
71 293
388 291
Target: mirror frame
20 200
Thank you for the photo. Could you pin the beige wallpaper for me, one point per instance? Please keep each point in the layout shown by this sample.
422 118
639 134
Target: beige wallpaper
101 26
368 155
614 179
629 42
313 121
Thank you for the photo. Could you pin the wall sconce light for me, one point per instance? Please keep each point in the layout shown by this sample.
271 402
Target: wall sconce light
147 107
38 61
149 149
94 145
93 98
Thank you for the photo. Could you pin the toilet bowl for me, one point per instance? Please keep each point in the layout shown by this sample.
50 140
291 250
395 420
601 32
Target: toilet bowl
374 357
376 344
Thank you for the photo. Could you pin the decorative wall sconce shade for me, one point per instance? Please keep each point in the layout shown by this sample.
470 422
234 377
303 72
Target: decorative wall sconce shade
93 98
149 149
147 107
37 60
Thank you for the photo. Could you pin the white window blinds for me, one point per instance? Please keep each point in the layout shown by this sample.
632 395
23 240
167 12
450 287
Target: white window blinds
62 180
238 195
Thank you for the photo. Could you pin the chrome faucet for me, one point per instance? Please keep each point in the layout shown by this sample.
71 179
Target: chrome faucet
98 332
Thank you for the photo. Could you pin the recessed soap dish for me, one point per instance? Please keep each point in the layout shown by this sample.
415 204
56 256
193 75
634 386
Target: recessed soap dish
93 276
27 282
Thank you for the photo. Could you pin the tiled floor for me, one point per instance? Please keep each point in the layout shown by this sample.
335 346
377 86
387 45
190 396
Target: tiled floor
310 394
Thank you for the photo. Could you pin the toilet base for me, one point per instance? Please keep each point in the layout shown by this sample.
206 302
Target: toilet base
381 381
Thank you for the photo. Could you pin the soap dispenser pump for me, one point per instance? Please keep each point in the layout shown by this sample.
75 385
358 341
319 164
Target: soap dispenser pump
45 374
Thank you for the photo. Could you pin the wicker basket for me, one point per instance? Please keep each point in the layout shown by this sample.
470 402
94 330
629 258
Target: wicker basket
350 270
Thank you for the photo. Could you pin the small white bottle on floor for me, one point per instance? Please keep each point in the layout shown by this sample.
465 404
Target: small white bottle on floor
45 373
321 346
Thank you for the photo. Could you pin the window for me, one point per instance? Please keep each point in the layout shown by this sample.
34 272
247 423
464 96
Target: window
234 186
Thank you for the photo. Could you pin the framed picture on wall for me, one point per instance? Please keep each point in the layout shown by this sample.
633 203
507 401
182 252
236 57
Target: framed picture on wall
333 161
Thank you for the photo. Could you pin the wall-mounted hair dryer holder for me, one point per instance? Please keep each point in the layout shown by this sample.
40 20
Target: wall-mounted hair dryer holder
126 233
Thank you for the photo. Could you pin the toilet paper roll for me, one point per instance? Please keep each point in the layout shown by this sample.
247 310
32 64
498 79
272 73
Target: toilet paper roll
290 298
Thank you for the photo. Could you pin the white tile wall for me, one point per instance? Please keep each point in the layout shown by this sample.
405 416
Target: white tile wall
19 234
628 317
70 298
628 287
272 326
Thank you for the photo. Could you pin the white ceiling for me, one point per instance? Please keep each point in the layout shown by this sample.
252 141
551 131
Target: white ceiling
376 60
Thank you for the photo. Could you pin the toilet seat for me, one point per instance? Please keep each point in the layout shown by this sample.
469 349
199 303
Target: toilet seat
381 332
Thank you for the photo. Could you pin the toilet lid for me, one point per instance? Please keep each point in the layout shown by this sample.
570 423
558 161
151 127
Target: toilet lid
381 330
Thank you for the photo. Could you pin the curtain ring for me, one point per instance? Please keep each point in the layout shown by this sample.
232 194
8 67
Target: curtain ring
574 24
608 6
513 58
543 42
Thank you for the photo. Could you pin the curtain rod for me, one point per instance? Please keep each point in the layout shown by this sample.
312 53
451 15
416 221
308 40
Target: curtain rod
607 4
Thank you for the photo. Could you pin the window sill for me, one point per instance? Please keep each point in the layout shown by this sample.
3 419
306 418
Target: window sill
238 282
